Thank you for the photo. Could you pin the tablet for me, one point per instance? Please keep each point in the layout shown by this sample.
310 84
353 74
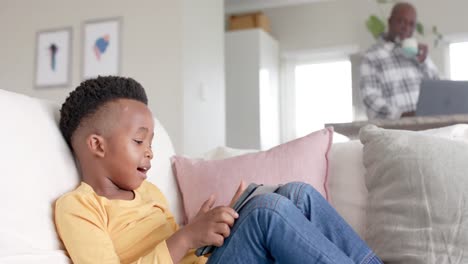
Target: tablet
251 191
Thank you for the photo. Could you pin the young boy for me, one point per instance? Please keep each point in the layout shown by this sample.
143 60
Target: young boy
115 216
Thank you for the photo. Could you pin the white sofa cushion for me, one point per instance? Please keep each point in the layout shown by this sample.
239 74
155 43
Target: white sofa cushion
37 167
346 184
417 196
161 170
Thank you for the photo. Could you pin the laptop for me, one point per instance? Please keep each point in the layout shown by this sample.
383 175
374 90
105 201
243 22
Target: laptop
442 97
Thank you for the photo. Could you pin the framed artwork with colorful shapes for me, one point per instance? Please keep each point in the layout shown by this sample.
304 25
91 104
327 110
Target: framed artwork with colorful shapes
53 58
101 47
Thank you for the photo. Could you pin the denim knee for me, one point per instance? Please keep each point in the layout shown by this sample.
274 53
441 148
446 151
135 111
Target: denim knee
269 201
255 229
292 186
294 190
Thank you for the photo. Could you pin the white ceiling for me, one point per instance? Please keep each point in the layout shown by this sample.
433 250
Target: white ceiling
238 6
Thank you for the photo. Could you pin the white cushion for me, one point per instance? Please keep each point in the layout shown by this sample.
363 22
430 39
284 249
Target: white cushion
417 196
37 167
161 170
340 138
346 185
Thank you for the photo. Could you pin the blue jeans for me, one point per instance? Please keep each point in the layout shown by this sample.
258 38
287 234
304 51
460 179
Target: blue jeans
294 225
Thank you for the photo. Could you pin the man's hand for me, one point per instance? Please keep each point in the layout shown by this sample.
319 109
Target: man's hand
423 50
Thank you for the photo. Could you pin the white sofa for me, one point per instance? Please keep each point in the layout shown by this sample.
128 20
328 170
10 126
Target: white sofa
37 167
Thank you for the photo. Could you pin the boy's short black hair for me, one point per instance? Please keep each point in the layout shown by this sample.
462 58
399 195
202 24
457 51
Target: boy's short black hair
91 94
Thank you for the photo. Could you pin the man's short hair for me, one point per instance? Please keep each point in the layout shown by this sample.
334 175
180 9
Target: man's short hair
398 6
91 95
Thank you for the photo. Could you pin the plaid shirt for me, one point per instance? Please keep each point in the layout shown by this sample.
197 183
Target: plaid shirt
390 81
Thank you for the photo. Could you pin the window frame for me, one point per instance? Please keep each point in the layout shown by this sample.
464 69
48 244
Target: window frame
289 61
451 39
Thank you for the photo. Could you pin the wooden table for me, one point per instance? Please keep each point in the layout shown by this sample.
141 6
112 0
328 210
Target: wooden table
351 130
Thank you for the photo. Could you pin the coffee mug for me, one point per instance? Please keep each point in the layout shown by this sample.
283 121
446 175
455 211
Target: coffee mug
410 47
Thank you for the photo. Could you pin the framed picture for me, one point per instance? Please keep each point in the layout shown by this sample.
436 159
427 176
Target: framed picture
53 55
101 47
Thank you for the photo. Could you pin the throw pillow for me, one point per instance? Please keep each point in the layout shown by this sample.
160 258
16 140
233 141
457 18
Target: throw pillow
304 159
417 196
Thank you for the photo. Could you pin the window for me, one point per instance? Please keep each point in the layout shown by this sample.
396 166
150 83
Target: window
316 89
269 111
458 53
323 94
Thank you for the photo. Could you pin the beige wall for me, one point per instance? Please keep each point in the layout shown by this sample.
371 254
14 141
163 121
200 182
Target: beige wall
203 76
151 47
341 23
153 53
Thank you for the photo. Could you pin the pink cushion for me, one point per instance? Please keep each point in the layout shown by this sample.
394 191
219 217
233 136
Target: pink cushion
304 159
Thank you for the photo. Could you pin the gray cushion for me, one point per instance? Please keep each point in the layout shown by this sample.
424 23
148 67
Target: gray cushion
418 191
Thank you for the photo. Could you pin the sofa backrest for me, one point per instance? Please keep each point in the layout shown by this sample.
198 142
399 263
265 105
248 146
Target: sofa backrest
37 167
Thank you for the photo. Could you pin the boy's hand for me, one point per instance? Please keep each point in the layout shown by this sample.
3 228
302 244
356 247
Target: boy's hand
240 190
210 226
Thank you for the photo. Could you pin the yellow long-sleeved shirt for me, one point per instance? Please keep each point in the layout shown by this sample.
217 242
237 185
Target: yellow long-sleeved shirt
95 229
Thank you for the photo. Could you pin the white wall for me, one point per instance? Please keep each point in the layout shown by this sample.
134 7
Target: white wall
342 23
318 25
203 76
252 111
153 32
269 91
242 84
